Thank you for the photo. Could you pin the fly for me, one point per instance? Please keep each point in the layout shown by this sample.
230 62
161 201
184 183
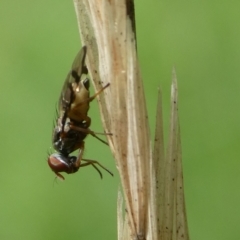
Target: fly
73 122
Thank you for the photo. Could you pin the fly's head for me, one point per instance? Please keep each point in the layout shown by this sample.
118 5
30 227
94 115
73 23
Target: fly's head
61 163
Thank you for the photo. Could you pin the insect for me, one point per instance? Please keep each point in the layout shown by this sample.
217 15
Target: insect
73 122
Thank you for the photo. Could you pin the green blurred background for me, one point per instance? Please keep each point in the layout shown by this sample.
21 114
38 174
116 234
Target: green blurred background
38 41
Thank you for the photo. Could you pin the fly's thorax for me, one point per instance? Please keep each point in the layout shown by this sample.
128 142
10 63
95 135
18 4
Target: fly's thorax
80 105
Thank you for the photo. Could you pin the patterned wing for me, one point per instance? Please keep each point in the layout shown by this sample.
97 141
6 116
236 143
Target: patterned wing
78 69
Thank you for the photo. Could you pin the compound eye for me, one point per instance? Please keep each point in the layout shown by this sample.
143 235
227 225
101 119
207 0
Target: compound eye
58 163
86 83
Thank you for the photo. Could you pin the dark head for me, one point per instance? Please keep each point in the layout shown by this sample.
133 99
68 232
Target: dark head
60 163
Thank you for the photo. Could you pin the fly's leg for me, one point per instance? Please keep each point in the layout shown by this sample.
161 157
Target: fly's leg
94 163
77 163
88 131
87 123
95 95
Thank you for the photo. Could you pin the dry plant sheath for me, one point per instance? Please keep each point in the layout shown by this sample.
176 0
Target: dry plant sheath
107 28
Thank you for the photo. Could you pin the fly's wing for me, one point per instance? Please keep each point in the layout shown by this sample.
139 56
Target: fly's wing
78 66
78 69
